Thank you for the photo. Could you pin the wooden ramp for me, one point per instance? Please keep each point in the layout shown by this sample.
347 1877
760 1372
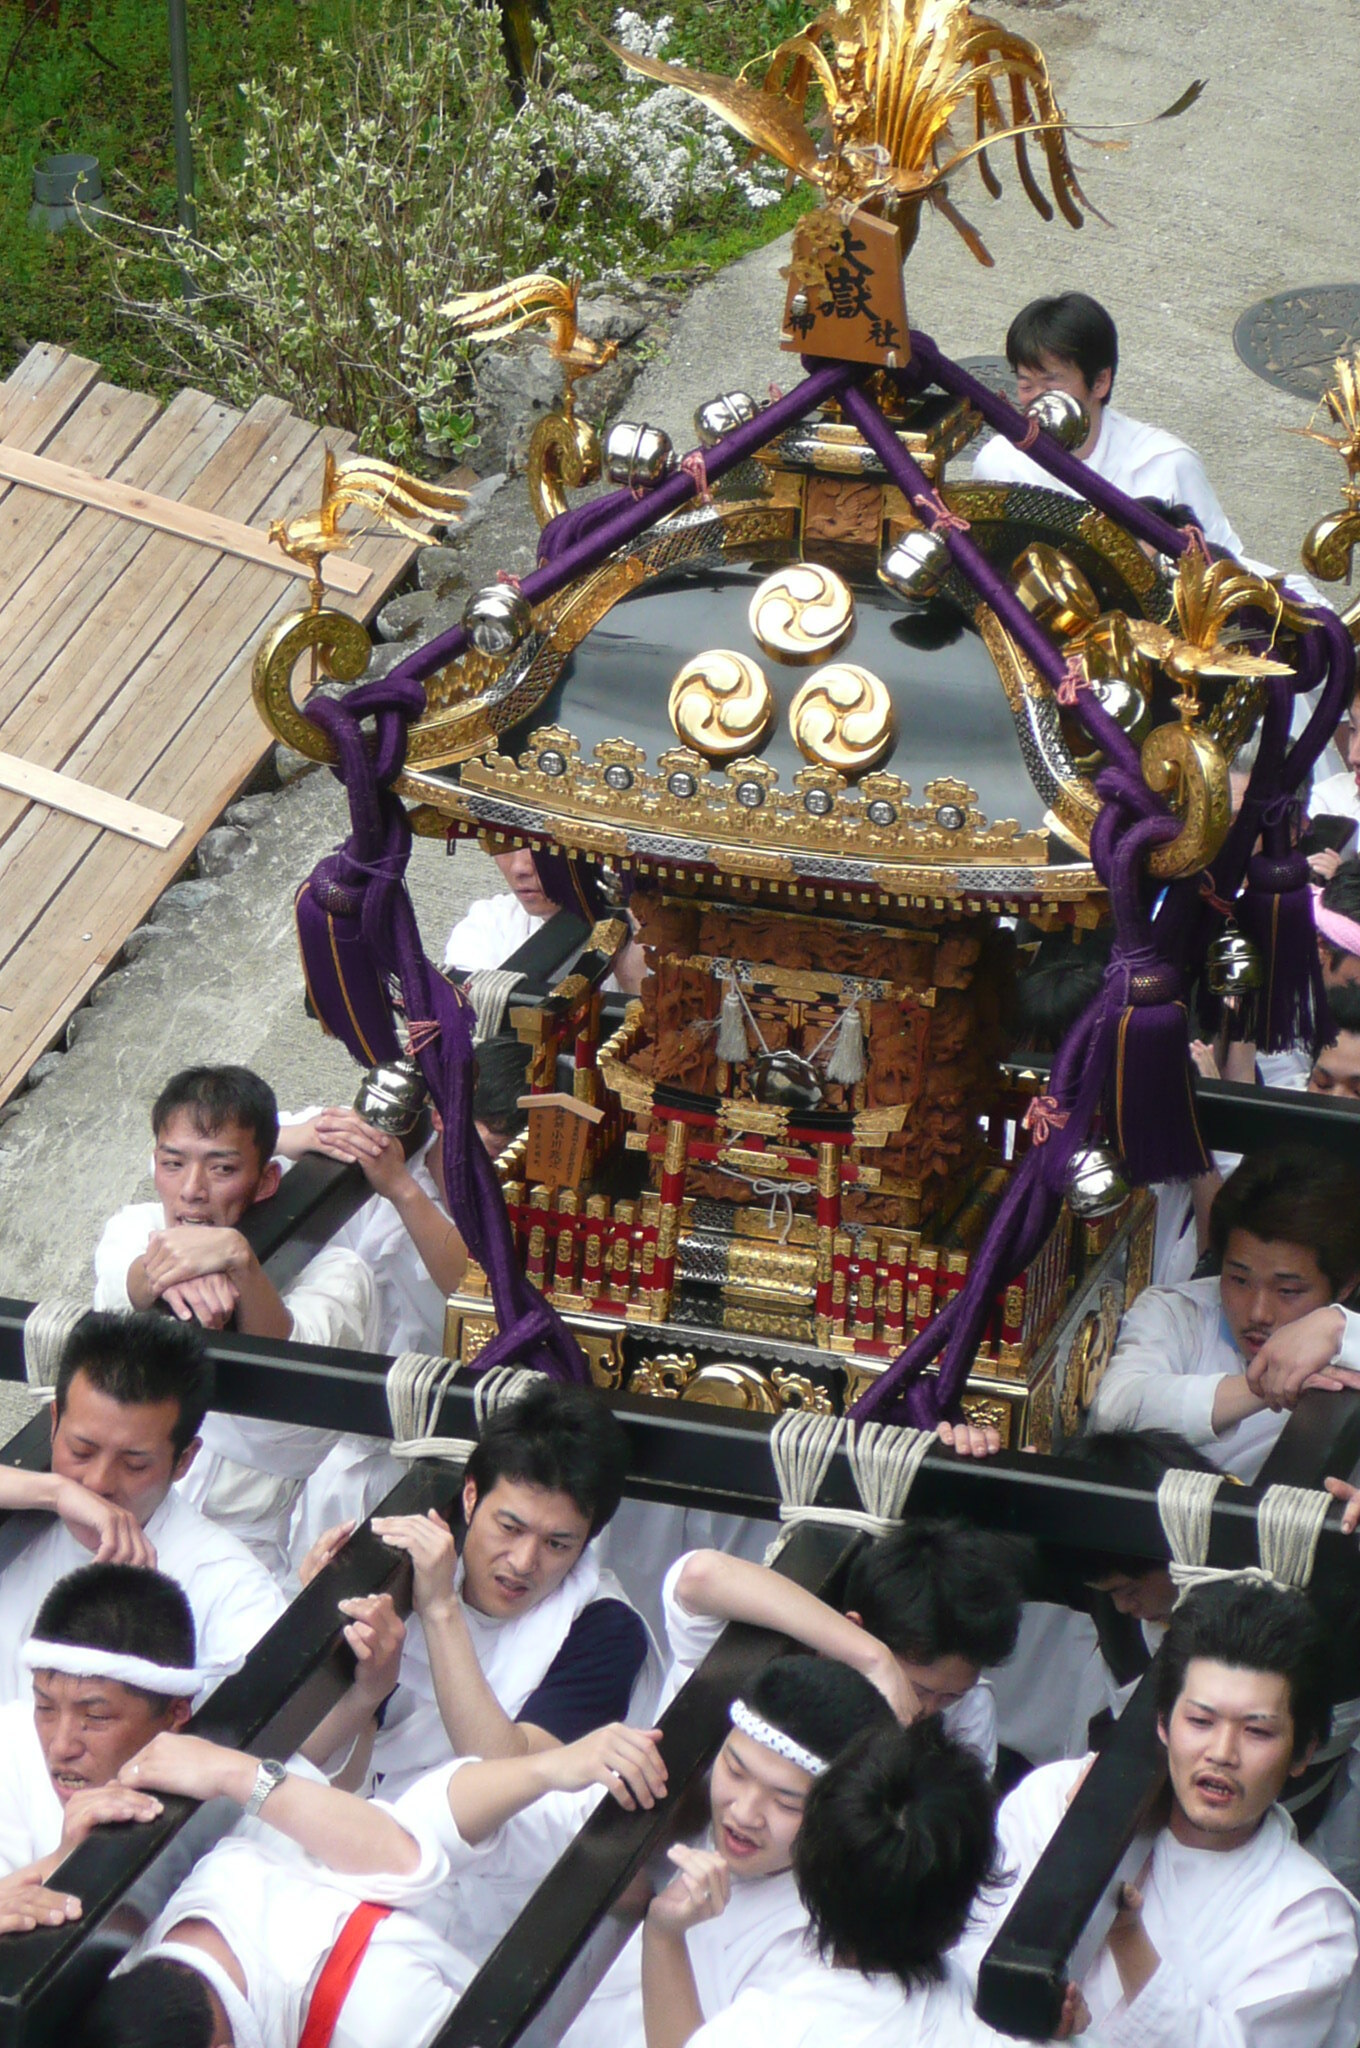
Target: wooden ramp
133 592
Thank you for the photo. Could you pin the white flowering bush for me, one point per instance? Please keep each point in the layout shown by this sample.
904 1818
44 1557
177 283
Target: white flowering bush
377 179
665 156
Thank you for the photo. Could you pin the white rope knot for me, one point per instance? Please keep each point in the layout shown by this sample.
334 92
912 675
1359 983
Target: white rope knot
780 1192
883 1459
47 1330
1288 1523
416 1385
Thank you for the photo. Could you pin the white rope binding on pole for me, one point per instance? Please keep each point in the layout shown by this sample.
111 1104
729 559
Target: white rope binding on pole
489 992
1288 1523
47 1330
883 1459
416 1385
499 1388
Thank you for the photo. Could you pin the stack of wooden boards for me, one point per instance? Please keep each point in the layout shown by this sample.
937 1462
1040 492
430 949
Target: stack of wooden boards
136 579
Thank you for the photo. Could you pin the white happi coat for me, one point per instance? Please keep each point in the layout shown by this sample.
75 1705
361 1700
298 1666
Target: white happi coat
819 2007
1141 461
514 1655
360 1471
1172 1351
1258 1944
232 1596
753 1945
690 1637
489 931
249 1473
280 1912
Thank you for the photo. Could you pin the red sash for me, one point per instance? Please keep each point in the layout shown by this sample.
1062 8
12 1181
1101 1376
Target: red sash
338 1973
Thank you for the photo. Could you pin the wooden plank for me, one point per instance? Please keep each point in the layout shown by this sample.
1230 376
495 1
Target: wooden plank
168 515
83 800
51 548
37 396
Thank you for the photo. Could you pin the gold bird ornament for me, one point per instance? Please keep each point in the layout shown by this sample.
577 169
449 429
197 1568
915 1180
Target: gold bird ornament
534 300
1330 542
1207 648
379 487
892 76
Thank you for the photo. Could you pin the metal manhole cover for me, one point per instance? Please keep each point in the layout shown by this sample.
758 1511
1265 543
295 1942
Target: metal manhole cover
1293 339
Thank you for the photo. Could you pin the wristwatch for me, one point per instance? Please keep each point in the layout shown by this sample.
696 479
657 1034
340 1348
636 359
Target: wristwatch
268 1778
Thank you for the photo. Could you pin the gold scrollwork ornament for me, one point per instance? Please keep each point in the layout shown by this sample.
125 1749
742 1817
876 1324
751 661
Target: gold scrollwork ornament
1184 765
842 718
802 612
564 455
343 648
721 704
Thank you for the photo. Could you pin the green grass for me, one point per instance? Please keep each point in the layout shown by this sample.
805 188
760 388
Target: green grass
97 80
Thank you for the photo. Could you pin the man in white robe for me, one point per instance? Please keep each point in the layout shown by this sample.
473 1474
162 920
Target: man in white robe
298 1924
215 1131
518 1639
1286 1230
896 1839
130 1397
924 1609
494 927
1234 1936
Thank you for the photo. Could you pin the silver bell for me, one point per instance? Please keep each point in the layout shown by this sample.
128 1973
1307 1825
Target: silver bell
1096 1183
1062 416
916 566
717 416
1232 965
392 1096
635 454
497 618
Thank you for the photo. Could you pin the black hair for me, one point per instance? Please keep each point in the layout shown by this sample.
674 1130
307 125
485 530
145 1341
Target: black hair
563 1439
939 1589
1295 1195
502 1064
156 2004
122 1608
1252 1627
1344 1004
1342 894
819 1703
1072 326
217 1096
1129 1457
1057 984
898 1838
139 1360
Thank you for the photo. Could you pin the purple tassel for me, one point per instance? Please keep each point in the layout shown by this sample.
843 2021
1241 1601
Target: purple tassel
1150 1106
1276 912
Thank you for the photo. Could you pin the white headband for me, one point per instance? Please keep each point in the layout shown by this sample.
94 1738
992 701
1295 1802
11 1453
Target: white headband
774 1739
76 1660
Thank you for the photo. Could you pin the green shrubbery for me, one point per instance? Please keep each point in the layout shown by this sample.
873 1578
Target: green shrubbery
344 194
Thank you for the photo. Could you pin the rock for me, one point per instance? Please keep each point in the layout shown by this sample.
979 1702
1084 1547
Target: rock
185 901
437 570
289 764
402 618
249 811
607 317
222 849
43 1068
136 943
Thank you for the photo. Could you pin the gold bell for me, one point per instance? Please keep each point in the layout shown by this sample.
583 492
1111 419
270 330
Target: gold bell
1232 965
392 1096
1096 1182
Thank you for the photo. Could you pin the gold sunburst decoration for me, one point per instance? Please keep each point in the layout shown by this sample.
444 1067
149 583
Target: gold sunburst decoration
893 75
